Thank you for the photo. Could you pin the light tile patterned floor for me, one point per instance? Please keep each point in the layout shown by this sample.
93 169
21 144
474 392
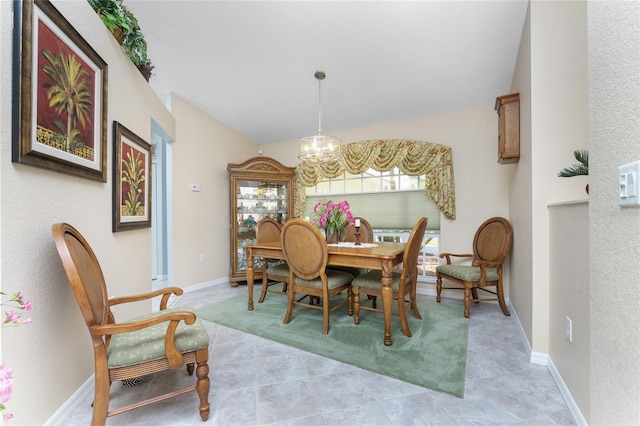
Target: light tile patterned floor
258 382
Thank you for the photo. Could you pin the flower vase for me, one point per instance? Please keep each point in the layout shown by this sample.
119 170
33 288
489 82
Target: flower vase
333 237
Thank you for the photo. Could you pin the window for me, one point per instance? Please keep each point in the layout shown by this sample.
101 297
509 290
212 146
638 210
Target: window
392 202
389 200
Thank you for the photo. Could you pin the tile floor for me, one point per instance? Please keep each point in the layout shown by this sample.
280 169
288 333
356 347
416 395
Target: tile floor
258 382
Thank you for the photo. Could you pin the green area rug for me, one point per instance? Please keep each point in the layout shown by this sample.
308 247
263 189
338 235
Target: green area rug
434 358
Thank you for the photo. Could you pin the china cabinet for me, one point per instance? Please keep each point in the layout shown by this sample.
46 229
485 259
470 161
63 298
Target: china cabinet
508 109
260 187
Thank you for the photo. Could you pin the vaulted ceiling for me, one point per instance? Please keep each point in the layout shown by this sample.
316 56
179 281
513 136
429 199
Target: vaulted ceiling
251 64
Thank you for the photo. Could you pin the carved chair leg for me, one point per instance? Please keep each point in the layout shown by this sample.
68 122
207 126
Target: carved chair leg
467 301
190 368
474 293
350 301
356 305
374 300
438 288
202 384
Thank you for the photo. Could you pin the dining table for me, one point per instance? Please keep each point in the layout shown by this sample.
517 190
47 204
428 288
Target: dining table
383 256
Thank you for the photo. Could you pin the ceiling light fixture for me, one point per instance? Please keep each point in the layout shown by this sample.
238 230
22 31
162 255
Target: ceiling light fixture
320 147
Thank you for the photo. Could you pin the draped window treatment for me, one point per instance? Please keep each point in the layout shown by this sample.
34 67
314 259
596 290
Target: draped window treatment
410 156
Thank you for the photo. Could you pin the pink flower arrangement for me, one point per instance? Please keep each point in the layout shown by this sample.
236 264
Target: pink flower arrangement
12 318
332 216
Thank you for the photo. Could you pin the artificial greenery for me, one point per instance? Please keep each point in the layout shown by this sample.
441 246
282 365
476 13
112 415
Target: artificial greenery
580 169
125 28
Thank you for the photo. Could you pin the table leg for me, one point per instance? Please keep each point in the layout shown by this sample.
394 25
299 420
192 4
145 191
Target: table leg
250 276
387 298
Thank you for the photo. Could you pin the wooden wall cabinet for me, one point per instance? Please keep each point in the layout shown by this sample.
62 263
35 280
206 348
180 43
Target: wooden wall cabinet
508 109
260 187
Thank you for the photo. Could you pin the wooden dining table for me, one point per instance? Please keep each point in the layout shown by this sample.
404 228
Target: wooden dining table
384 256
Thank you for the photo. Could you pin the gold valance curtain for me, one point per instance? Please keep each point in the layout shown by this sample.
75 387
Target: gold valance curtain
411 157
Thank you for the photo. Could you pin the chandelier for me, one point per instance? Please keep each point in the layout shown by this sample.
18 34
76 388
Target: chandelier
320 147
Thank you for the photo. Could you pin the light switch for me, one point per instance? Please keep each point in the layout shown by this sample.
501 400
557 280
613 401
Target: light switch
629 180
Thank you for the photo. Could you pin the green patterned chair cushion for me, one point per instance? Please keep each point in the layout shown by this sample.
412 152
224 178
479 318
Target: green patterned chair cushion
466 273
279 269
373 279
351 270
334 279
148 344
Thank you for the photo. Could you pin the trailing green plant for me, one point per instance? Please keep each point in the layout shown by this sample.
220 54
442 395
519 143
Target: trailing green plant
125 28
579 169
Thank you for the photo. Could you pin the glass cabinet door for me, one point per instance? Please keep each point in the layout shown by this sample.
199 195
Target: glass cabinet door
256 200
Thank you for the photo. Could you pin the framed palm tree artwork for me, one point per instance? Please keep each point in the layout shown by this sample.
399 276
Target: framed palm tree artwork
60 88
132 157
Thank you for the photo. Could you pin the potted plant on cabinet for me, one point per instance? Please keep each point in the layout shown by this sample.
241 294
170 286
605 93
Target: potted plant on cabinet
126 30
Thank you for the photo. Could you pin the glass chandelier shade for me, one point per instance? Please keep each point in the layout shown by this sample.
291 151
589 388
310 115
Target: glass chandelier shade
320 147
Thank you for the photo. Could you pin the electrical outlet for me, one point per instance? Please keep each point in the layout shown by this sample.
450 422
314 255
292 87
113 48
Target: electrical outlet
201 258
568 328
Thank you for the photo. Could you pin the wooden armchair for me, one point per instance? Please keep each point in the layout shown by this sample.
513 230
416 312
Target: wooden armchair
155 342
275 272
491 245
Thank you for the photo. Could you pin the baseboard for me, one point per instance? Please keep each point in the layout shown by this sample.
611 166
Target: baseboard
61 415
566 394
541 358
205 284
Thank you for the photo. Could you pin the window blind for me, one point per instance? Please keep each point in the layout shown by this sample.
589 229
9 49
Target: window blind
386 210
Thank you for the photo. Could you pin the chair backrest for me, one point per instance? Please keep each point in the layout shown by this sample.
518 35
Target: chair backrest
493 240
412 250
84 274
268 229
304 249
366 232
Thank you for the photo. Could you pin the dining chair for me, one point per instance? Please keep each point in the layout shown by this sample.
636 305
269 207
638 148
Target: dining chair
305 250
404 283
160 341
491 245
275 271
366 231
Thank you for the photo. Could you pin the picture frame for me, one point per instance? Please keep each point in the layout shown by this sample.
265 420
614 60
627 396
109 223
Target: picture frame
131 181
60 89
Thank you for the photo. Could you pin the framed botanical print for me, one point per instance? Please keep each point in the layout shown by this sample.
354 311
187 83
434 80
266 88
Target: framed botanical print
131 181
60 89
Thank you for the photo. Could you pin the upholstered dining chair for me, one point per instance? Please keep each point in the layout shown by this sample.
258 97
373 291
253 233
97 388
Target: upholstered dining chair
491 245
404 283
163 340
275 271
305 250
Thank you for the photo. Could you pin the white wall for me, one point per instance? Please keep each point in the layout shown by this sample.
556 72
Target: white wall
614 108
551 77
53 357
202 150
481 183
570 297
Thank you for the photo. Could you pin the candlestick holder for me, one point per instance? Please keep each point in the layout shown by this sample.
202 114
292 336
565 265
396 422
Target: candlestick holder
357 234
